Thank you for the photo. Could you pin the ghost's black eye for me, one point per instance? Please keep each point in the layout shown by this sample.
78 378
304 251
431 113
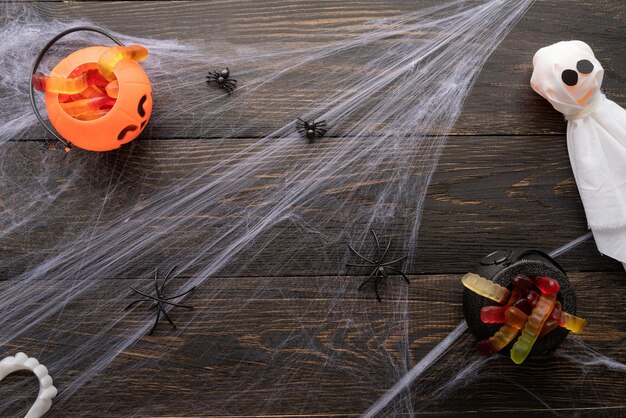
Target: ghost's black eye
569 77
584 66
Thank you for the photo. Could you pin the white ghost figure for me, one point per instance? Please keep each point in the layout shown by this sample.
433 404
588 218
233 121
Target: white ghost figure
569 76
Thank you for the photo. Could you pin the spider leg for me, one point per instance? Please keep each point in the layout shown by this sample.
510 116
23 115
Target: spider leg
167 317
397 260
385 253
167 276
134 303
165 300
360 265
156 283
158 316
376 286
367 280
377 244
360 256
178 305
142 294
406 279
302 124
160 299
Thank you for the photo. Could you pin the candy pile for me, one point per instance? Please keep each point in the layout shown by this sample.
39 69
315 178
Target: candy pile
90 90
530 307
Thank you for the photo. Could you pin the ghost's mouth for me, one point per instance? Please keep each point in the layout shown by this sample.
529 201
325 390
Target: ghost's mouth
586 97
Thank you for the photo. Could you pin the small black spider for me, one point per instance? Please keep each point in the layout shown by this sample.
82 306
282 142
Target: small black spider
380 265
221 78
311 130
159 300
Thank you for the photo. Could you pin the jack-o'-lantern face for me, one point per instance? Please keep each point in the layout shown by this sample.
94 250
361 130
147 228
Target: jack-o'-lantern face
122 123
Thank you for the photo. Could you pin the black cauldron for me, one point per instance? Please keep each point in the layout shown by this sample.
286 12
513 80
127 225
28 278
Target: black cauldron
501 267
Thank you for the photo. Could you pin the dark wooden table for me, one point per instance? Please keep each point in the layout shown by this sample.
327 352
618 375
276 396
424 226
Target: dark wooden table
504 180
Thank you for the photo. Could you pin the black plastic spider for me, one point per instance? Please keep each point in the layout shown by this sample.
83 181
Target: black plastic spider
311 130
160 300
380 265
221 78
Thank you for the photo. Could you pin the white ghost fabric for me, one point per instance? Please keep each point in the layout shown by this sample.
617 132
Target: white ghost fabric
569 76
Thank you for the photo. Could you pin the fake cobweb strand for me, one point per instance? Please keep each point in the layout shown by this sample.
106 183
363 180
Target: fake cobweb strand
441 348
394 76
388 120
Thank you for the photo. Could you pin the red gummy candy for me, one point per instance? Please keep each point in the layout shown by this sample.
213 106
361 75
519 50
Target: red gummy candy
524 305
557 314
516 294
38 81
522 282
532 297
484 348
493 314
547 285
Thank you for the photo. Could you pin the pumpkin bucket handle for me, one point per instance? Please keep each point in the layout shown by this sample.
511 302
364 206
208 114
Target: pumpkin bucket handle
36 66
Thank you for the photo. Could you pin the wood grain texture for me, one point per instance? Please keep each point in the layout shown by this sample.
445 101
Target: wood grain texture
488 193
226 348
502 102
503 181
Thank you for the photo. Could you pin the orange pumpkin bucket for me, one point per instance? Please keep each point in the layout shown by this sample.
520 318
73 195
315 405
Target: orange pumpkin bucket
97 98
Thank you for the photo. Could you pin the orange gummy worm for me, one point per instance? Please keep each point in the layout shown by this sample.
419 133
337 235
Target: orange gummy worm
59 85
82 109
113 55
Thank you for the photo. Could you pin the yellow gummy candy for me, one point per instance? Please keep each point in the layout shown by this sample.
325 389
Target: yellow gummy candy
485 287
573 323
113 55
531 331
503 337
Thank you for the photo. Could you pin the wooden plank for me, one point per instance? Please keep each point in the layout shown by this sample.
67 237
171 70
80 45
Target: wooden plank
310 344
501 103
305 346
488 193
